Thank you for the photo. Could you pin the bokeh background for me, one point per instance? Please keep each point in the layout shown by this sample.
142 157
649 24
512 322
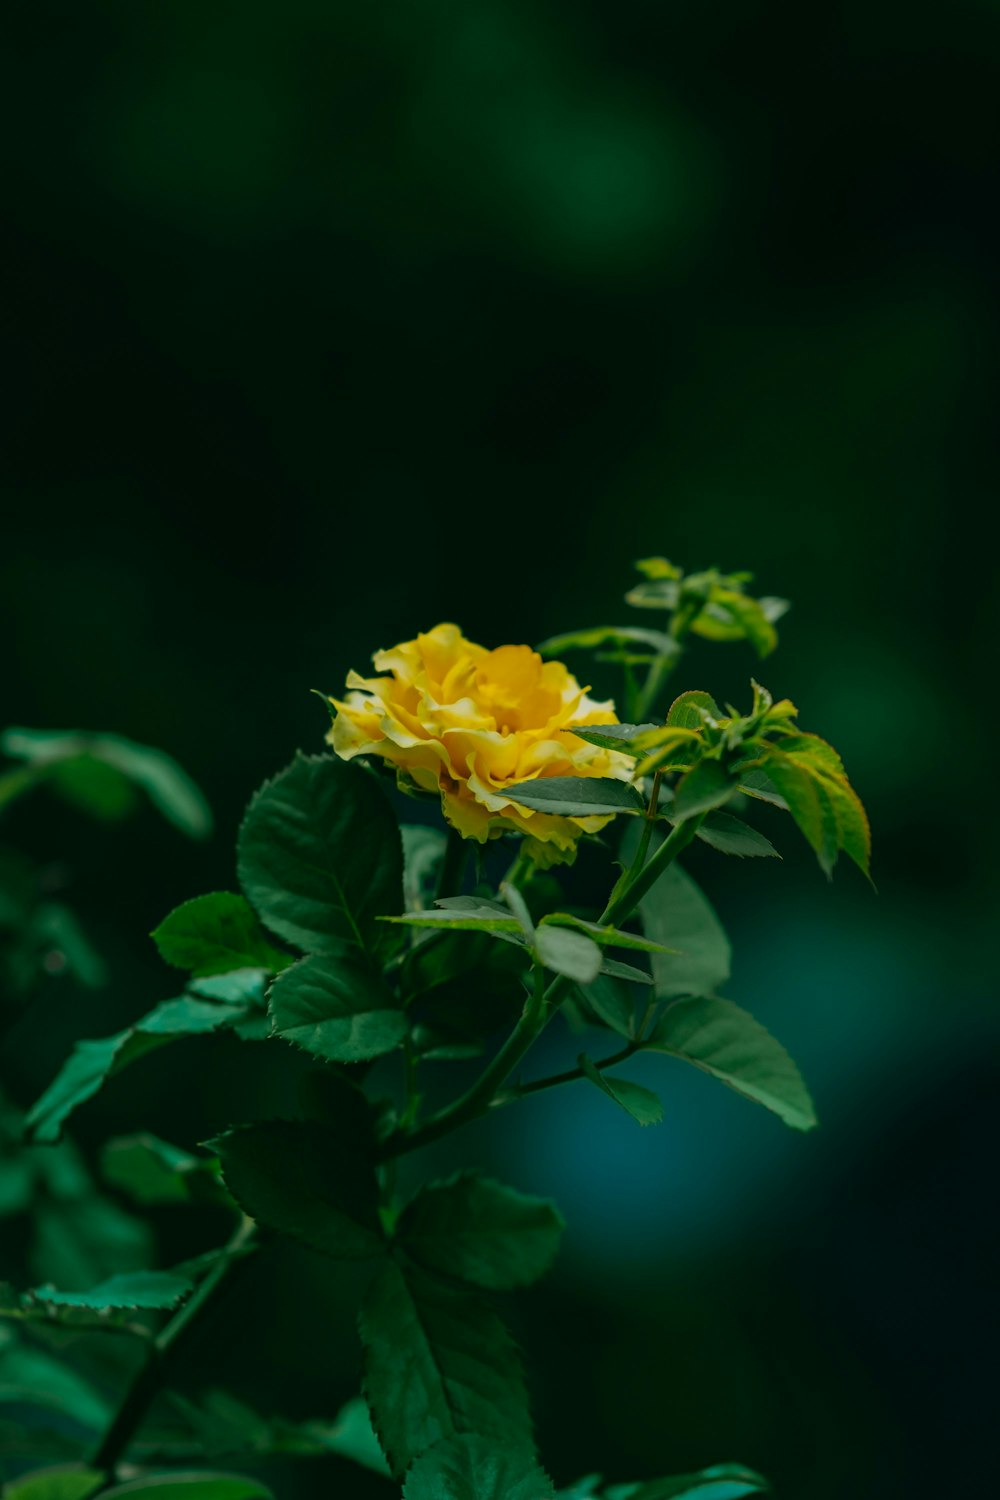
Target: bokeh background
325 322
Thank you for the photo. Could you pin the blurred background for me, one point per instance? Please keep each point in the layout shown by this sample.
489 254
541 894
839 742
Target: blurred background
325 323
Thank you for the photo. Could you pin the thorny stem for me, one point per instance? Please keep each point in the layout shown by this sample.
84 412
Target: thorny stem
163 1350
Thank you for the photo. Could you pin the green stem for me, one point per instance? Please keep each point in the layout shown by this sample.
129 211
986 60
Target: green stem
569 1076
537 1013
151 1376
449 881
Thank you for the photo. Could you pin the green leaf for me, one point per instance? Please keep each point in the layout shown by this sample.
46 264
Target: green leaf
482 1232
689 710
675 912
438 1362
132 1289
609 1003
705 786
576 796
468 1467
721 1039
96 771
642 1104
721 1482
466 983
215 934
91 1063
567 952
610 635
423 850
301 1179
756 783
31 1377
731 835
464 914
607 937
804 798
339 1009
733 616
70 1482
152 1171
244 987
617 970
200 1485
615 736
320 858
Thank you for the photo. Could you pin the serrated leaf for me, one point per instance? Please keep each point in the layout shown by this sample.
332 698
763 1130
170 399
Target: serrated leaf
706 785
301 1179
468 1467
132 1289
676 913
721 1482
615 736
463 914
606 937
320 858
479 1231
466 983
726 1041
438 1362
92 1062
576 796
609 1003
196 1485
152 1171
756 783
730 835
339 1009
216 934
732 616
601 635
68 1482
689 710
239 987
642 1104
569 953
616 970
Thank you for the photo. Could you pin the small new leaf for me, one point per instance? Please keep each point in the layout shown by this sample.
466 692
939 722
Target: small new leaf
642 1104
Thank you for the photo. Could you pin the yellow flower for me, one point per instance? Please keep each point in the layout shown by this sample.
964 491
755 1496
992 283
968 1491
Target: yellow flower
457 719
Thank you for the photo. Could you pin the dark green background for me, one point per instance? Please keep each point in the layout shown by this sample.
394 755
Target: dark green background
327 322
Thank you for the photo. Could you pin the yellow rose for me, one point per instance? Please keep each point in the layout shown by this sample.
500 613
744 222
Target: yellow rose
457 719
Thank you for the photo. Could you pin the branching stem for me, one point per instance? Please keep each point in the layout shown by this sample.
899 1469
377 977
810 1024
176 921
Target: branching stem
162 1352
